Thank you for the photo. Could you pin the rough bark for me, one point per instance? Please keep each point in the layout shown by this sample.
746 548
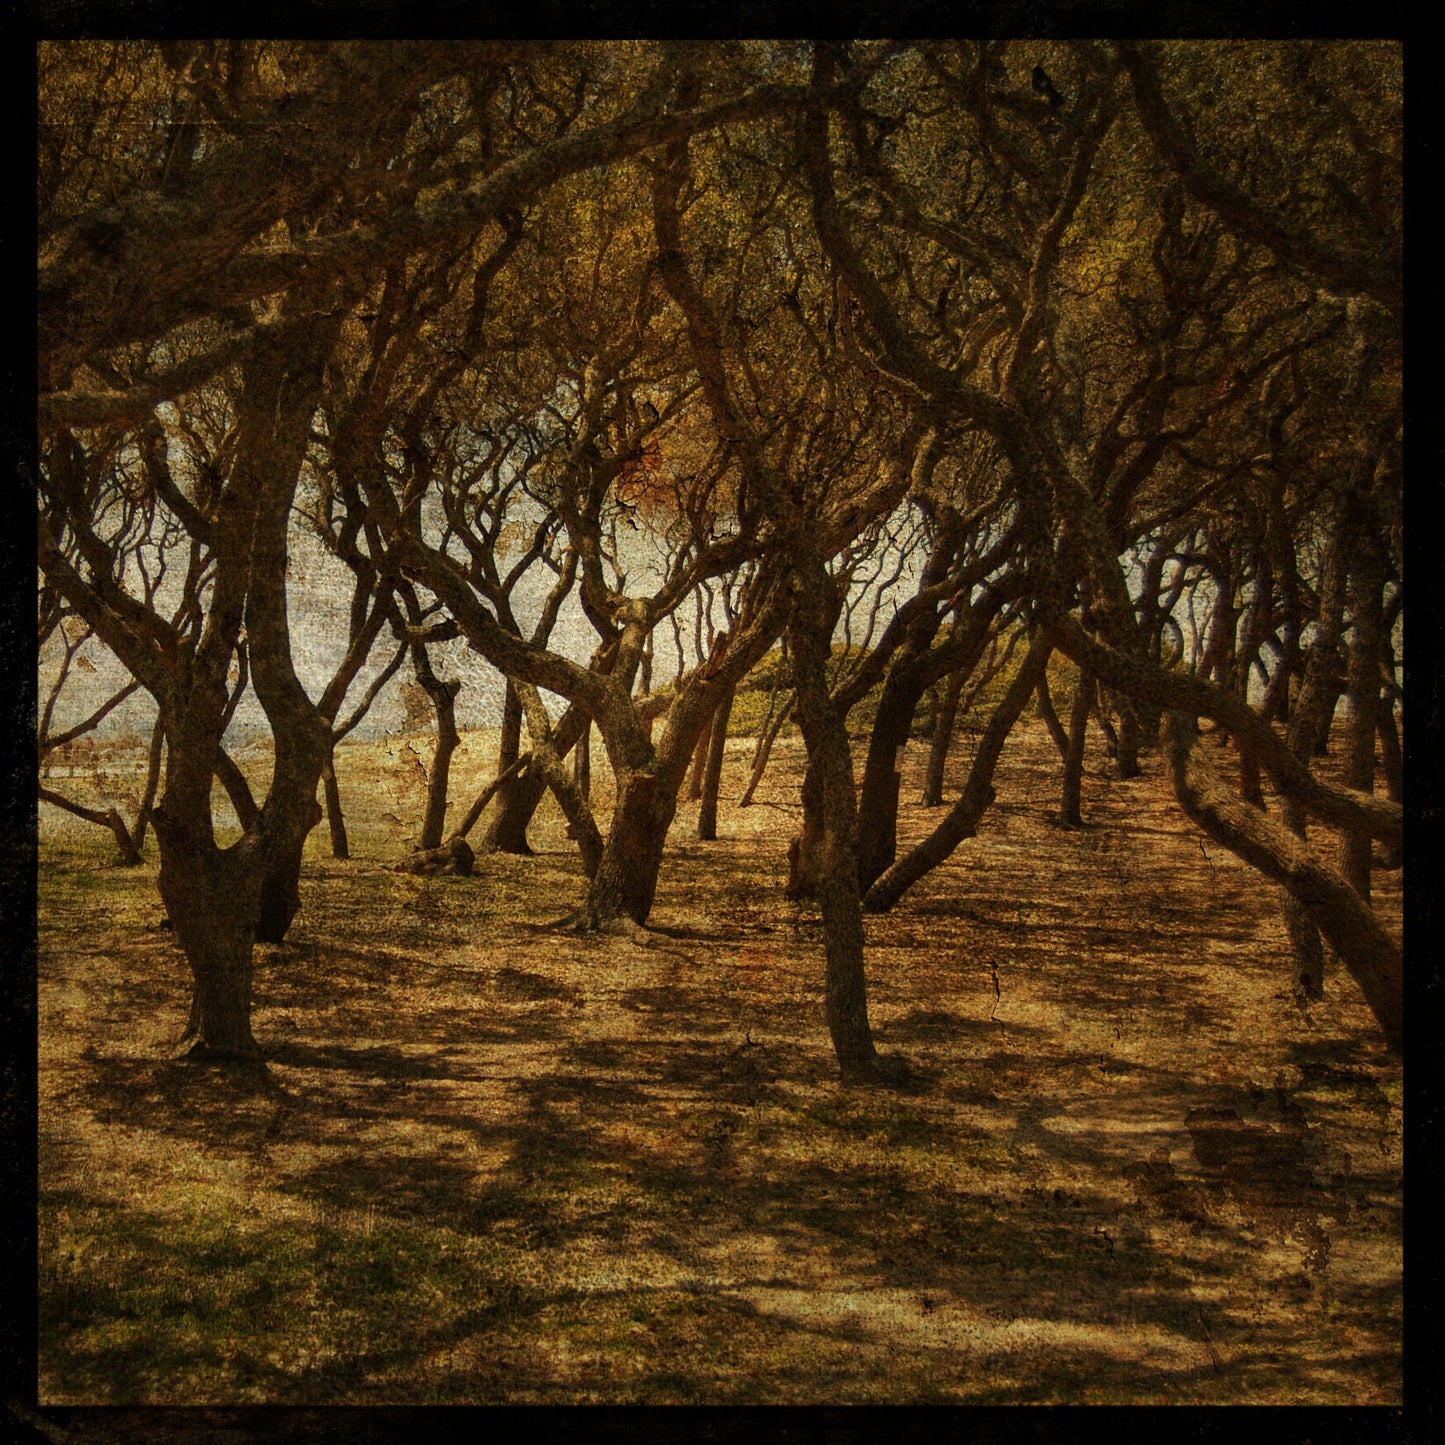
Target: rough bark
626 878
211 898
878 796
1333 906
280 899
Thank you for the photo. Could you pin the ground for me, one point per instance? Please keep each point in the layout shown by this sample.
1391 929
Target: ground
491 1163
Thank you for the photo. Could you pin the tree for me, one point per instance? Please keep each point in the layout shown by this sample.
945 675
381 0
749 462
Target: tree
1080 475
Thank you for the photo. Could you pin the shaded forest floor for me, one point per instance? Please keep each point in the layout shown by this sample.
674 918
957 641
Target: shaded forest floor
490 1163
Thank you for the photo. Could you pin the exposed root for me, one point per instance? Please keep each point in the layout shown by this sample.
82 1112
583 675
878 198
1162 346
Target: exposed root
582 921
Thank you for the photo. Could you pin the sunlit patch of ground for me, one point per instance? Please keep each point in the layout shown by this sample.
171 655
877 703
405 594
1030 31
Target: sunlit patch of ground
493 1163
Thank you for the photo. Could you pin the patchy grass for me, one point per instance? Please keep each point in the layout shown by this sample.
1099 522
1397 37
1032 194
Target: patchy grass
489 1163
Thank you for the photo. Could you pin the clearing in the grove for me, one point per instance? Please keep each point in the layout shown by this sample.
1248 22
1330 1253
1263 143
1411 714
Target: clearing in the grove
489 1162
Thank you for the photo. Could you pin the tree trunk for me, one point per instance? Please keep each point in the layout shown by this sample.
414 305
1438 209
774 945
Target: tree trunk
335 819
1391 755
1071 793
877 806
829 806
1126 756
762 753
1101 716
1393 762
517 803
1250 785
1363 698
518 797
211 898
280 897
1047 712
152 785
443 697
943 724
712 777
1309 725
626 878
582 762
699 766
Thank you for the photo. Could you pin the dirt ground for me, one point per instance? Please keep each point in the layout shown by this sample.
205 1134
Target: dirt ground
491 1163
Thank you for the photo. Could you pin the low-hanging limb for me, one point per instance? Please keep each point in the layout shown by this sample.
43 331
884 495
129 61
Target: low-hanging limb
109 818
487 794
978 793
1342 916
1050 716
1344 807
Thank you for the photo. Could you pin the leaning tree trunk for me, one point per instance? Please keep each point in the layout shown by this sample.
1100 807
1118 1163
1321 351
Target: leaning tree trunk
877 842
764 750
443 697
582 761
699 767
978 793
1334 907
1044 701
110 818
712 775
152 783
